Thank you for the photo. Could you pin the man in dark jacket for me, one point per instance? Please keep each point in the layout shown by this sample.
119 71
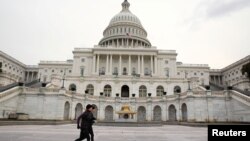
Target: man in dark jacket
86 123
93 121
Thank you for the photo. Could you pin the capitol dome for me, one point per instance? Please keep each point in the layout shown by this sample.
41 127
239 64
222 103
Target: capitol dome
125 30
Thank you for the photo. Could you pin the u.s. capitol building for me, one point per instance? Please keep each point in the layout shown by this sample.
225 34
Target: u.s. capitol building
127 79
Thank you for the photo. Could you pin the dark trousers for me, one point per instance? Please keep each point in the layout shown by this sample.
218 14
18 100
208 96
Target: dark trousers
91 133
84 134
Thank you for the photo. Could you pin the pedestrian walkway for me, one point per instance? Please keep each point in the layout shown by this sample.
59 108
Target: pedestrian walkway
102 133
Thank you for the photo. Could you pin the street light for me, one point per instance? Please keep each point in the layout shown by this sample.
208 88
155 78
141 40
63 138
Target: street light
189 84
63 79
40 77
188 79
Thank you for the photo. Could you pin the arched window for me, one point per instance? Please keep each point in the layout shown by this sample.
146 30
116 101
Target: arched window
107 91
72 87
66 110
141 116
78 110
142 91
172 113
159 91
109 113
184 112
90 89
157 113
177 89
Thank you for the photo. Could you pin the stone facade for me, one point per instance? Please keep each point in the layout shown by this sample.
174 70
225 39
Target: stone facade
191 106
231 75
124 69
13 70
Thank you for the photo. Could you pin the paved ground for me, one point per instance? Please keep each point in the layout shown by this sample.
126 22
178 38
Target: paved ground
103 133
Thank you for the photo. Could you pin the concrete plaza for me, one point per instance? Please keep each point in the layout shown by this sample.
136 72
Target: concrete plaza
103 133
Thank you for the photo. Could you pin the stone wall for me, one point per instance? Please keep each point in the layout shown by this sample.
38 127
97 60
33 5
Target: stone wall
197 106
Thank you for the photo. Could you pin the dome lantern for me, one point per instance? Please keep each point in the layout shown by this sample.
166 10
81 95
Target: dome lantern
125 30
125 5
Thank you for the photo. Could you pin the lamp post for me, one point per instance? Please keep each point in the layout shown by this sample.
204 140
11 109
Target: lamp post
63 79
40 77
189 84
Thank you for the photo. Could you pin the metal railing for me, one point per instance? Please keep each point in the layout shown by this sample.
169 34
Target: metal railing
247 93
10 86
28 84
216 86
7 87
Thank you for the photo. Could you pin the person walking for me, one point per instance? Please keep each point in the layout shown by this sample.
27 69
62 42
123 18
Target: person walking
93 121
86 119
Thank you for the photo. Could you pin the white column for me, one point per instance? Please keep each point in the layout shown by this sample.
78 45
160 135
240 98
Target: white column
32 76
138 69
219 80
93 65
122 43
129 65
110 64
98 62
152 68
142 65
120 65
156 65
107 64
28 76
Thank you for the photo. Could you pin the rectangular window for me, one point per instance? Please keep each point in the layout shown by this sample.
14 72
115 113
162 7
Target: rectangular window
115 71
134 71
82 71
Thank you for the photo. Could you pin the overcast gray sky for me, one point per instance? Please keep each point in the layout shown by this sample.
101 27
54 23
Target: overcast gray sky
214 32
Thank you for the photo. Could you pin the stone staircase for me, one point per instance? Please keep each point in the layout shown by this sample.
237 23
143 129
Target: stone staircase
7 94
35 83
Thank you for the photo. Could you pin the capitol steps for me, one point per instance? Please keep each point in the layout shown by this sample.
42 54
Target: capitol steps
10 93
